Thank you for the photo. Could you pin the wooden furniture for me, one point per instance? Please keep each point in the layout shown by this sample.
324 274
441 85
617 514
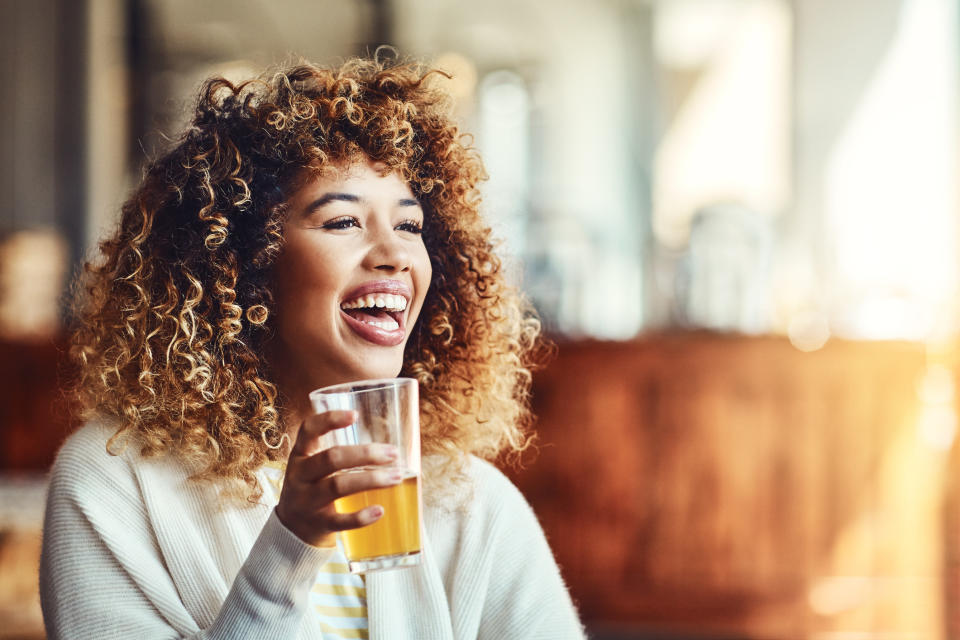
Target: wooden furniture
34 417
736 487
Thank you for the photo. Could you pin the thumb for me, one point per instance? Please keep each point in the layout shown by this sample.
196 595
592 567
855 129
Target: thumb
307 441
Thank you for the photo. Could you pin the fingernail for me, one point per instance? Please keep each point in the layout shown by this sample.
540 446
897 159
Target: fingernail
390 452
394 475
376 511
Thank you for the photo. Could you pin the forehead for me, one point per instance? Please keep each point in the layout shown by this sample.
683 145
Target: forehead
360 177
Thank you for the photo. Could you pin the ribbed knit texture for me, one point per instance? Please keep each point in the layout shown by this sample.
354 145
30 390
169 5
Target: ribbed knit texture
133 549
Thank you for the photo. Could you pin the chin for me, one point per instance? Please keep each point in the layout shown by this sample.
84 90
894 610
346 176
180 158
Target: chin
373 371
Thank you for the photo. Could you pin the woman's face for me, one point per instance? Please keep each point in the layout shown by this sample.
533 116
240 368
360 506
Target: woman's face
350 280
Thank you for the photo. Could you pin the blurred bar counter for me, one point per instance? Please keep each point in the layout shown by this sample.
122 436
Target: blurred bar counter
698 485
692 485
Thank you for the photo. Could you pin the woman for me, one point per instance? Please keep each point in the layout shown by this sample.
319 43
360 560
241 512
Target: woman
244 273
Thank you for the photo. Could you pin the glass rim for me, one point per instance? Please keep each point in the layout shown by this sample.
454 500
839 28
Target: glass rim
362 386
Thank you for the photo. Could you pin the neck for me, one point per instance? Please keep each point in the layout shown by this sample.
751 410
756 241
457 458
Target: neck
292 389
295 404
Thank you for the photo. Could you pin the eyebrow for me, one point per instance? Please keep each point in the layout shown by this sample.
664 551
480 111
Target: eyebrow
336 196
327 198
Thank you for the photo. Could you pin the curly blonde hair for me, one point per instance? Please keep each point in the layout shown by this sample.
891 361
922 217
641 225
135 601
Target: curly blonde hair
171 322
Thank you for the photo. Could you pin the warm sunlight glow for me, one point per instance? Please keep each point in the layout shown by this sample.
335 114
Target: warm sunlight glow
891 201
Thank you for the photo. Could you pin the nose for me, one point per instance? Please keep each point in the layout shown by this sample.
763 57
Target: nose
388 252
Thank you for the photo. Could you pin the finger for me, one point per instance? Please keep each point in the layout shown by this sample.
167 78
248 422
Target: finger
343 457
355 520
317 425
345 484
317 528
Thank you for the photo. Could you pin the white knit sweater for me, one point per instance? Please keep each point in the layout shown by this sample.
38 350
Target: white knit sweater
133 549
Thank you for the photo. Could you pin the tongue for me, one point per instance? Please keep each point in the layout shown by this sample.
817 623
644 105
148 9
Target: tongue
366 315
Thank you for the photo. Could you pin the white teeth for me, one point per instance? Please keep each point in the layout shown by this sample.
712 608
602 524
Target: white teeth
385 301
396 303
386 325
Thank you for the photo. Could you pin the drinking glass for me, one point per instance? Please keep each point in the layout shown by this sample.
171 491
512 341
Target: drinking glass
388 411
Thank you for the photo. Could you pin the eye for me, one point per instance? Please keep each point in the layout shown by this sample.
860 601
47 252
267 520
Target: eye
410 226
343 222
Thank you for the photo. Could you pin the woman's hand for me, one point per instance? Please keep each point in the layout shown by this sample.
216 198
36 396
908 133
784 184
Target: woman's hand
310 486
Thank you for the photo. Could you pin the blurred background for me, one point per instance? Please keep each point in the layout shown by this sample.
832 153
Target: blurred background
738 219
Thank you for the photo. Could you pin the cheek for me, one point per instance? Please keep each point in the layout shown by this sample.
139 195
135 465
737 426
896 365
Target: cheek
424 274
304 283
312 263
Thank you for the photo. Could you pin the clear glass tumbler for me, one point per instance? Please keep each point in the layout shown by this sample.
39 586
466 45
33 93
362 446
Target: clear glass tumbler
388 411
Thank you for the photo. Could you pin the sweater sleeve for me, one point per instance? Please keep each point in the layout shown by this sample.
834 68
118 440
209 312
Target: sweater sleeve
526 596
102 574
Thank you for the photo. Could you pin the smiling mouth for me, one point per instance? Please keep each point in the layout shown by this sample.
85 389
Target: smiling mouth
383 311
